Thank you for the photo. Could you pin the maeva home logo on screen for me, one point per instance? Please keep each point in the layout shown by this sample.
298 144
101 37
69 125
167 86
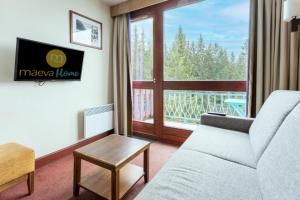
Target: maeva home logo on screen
56 59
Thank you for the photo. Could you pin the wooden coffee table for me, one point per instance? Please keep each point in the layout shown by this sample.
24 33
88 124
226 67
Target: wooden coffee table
116 176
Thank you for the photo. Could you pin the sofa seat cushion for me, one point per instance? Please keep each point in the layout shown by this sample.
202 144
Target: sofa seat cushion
15 161
192 175
226 144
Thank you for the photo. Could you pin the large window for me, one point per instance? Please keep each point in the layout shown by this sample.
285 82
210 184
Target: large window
188 58
207 41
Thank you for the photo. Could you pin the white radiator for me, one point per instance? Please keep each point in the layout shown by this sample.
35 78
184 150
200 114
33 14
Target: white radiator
98 120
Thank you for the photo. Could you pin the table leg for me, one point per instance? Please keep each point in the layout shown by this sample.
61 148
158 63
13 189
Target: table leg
76 177
146 165
30 182
115 184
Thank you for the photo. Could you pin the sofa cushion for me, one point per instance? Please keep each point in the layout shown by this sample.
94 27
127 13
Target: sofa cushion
230 145
270 117
279 167
234 123
192 175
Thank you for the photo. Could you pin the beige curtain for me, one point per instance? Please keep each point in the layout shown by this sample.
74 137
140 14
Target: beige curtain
274 53
121 75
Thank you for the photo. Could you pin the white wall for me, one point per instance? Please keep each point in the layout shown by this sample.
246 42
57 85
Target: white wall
48 118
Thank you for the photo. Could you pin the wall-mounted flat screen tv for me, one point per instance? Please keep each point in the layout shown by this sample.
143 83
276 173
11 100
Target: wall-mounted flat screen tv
37 61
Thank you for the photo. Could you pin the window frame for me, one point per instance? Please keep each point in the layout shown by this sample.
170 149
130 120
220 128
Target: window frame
159 131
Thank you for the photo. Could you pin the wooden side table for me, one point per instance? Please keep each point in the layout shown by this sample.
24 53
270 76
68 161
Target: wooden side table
116 176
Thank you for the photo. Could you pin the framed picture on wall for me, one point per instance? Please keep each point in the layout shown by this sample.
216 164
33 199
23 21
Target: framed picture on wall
85 31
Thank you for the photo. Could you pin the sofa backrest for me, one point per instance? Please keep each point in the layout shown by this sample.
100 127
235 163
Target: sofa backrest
279 166
270 117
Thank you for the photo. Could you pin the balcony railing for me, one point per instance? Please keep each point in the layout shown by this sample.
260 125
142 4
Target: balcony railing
187 106
142 104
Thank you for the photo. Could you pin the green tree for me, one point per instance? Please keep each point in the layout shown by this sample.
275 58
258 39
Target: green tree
242 62
188 60
142 56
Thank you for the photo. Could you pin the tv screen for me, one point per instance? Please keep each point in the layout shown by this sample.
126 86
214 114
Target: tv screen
36 61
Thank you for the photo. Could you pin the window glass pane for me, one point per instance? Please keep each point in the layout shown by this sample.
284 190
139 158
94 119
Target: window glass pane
143 105
183 109
141 37
207 41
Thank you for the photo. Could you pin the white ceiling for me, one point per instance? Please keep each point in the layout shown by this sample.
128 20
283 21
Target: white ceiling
113 2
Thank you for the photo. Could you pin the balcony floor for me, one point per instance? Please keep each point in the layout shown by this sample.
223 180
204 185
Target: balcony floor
171 124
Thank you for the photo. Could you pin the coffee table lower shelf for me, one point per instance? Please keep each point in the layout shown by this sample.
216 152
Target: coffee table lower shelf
99 182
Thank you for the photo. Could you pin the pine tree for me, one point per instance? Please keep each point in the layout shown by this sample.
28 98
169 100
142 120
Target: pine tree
190 60
176 58
134 52
242 62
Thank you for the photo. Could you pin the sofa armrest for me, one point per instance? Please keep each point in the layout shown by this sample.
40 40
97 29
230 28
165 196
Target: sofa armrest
227 122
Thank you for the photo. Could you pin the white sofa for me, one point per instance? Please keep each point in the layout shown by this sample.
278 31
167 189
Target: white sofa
229 158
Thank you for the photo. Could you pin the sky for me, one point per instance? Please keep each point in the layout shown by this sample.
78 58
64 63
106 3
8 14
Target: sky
225 22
